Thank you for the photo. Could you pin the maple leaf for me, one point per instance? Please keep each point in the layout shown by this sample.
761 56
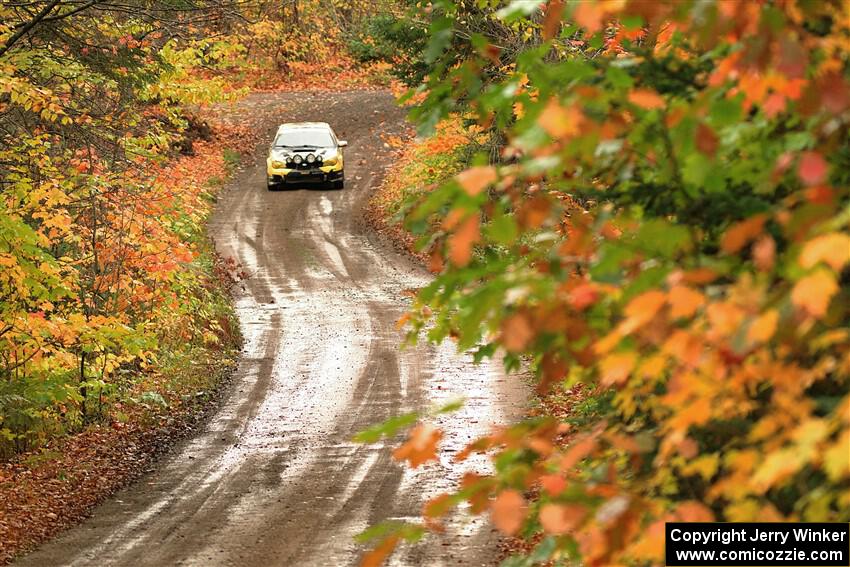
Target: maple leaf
706 140
517 332
615 368
589 15
647 99
836 459
559 519
553 484
832 249
684 301
552 21
814 292
762 329
577 451
438 506
740 234
642 309
583 296
475 179
463 239
421 446
508 511
812 168
764 252
692 511
377 556
558 121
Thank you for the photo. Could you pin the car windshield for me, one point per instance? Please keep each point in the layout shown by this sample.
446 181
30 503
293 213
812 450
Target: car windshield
312 137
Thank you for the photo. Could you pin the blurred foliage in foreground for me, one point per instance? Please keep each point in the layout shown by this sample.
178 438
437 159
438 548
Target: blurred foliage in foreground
662 214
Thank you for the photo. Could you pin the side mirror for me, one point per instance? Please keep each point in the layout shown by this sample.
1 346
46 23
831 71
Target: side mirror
342 143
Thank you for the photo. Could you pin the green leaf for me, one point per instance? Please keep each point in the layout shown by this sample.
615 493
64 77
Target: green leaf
387 428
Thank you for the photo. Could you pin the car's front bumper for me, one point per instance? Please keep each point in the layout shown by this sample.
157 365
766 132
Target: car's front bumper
322 174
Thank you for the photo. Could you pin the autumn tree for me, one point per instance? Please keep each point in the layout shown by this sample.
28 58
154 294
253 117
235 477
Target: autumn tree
665 222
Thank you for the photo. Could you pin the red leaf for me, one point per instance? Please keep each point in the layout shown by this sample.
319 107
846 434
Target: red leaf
706 140
812 168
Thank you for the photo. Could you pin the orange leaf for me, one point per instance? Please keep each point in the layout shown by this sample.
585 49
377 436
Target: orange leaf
533 213
684 301
554 484
812 168
377 556
558 519
692 511
589 16
576 452
462 240
475 179
508 511
421 446
641 309
615 368
560 122
650 546
832 248
646 98
516 332
552 21
740 234
762 329
583 295
814 292
764 252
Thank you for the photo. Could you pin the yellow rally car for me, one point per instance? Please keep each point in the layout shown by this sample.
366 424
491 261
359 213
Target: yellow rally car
304 152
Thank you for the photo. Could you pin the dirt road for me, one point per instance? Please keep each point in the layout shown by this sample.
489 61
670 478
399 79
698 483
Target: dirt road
273 478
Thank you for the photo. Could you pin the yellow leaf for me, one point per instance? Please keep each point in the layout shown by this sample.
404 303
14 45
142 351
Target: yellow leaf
814 292
762 329
778 466
809 433
836 459
832 248
705 466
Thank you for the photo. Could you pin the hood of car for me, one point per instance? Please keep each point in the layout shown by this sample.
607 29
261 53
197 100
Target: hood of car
282 153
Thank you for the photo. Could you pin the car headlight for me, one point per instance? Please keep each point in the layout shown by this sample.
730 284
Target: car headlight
297 159
332 159
277 164
311 158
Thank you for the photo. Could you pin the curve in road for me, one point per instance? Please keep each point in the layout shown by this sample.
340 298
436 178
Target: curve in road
273 477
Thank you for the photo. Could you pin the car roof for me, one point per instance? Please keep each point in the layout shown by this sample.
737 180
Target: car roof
304 126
